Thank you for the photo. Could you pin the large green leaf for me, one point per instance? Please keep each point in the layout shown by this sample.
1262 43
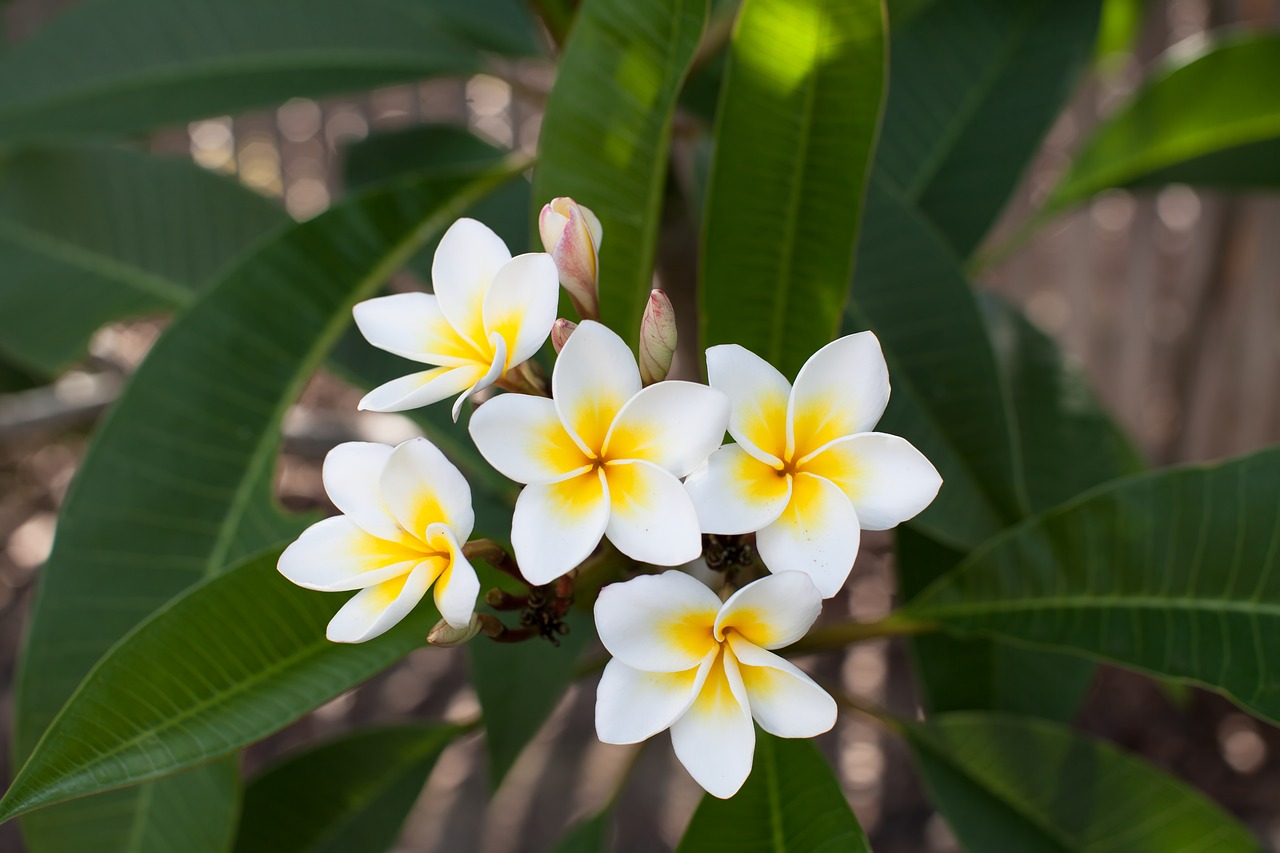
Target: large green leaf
116 66
1009 783
798 116
177 483
791 803
605 133
347 795
224 665
1174 573
974 87
94 234
1217 114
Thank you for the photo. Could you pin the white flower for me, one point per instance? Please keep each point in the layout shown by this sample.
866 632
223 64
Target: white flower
489 313
407 512
805 471
603 458
684 661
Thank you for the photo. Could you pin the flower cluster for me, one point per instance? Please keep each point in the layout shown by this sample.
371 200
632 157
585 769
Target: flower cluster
613 449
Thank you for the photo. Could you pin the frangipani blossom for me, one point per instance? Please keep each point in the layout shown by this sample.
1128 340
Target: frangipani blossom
489 313
682 660
805 472
602 458
406 515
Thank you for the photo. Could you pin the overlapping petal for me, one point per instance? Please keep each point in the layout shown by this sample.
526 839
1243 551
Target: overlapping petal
594 377
675 425
758 394
734 492
633 705
783 700
818 534
489 377
351 473
773 612
522 437
842 389
376 609
421 487
557 525
651 516
520 305
337 554
421 389
715 739
457 587
658 623
411 325
465 263
885 478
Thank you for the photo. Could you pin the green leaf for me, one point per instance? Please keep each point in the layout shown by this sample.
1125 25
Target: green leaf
1007 783
347 795
217 668
1221 108
799 111
1174 573
974 88
605 134
153 63
590 836
791 802
94 234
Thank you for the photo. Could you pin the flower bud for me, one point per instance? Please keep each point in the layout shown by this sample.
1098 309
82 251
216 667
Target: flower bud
657 338
446 636
560 333
571 234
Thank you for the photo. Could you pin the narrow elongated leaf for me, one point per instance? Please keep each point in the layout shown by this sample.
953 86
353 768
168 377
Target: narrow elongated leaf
974 88
224 665
1193 114
605 134
94 234
1010 783
348 795
798 116
791 803
116 66
1175 573
590 836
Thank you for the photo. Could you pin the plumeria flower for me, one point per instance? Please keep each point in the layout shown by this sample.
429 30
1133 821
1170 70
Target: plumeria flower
489 313
603 458
805 472
682 660
406 514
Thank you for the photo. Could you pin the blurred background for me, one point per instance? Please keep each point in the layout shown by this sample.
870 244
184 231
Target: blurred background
1170 300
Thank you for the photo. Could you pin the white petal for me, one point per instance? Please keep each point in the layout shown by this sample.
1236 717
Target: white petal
784 701
521 304
633 705
817 534
556 526
594 377
351 473
651 516
715 739
421 487
885 478
657 623
523 438
377 609
336 554
772 612
495 371
736 493
420 389
758 394
457 587
675 425
841 390
413 326
465 263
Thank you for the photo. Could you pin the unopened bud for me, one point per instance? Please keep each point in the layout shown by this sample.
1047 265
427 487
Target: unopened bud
447 636
560 333
657 338
571 234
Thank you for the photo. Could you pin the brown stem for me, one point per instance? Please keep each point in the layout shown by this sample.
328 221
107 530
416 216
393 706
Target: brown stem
495 555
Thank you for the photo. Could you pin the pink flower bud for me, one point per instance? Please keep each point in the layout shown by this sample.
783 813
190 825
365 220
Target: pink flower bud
657 338
571 234
560 333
